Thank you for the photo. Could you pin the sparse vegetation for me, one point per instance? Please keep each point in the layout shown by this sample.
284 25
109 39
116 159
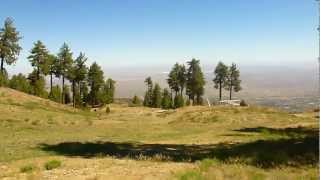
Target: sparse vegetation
52 164
108 110
243 103
254 141
27 168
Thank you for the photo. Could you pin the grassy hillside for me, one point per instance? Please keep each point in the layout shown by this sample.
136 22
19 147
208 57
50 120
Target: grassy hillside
143 143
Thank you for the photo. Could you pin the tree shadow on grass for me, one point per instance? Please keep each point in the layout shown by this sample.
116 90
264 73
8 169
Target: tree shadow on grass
296 132
300 151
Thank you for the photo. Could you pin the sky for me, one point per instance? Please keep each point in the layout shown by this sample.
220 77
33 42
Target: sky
153 33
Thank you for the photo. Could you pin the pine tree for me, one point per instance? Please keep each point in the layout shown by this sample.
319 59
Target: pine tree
195 81
71 76
84 93
220 78
233 81
108 91
148 95
166 99
64 65
39 59
95 81
81 74
156 96
173 80
9 47
182 78
52 68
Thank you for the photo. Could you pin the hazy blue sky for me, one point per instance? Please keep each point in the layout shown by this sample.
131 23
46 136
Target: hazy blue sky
130 33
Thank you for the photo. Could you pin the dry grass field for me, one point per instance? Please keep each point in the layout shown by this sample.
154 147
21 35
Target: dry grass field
40 139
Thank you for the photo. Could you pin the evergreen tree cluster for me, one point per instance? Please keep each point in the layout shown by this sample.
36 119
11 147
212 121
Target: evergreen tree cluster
183 83
154 96
187 85
88 86
228 78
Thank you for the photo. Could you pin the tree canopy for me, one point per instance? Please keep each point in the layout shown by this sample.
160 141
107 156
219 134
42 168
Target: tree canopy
9 44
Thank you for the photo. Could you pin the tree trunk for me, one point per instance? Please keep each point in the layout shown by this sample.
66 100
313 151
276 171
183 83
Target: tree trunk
50 82
73 94
62 98
92 97
80 95
193 102
2 68
38 73
230 91
220 90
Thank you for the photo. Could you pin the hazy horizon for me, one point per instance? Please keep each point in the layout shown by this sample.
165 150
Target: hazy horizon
146 34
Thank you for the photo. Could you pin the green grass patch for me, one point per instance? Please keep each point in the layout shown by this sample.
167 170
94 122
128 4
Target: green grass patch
53 164
190 175
205 164
27 168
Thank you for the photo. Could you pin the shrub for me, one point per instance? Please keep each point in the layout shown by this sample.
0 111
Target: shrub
26 169
53 164
20 83
135 101
108 110
243 103
35 122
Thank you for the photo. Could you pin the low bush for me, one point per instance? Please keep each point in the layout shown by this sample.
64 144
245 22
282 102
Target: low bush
108 110
243 103
53 164
191 174
27 168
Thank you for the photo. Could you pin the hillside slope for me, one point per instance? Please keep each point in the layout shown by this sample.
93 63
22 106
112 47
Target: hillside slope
144 143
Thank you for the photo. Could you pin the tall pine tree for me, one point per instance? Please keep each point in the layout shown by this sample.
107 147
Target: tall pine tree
9 44
233 80
80 74
195 82
52 68
108 91
166 99
173 80
39 59
156 96
64 65
148 95
220 77
95 81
